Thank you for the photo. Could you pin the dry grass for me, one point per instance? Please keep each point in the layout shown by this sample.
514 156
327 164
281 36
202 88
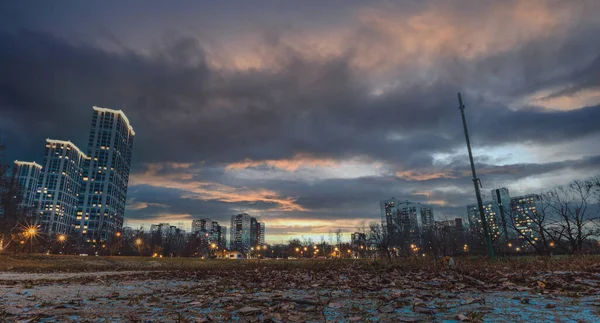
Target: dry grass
480 268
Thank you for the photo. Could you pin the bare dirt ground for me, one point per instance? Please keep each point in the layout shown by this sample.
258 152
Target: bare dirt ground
305 291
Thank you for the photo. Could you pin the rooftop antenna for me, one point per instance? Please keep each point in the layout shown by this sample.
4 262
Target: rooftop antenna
476 183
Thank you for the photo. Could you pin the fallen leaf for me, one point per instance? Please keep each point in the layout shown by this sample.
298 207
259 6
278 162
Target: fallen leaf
336 305
248 310
386 309
426 310
462 317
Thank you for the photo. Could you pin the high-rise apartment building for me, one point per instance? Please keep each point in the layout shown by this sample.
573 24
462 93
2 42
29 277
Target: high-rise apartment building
524 210
104 185
59 187
491 217
28 176
506 215
261 235
245 232
210 232
402 217
199 225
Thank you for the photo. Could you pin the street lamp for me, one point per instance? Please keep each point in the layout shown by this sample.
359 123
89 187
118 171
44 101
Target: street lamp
118 234
31 231
62 238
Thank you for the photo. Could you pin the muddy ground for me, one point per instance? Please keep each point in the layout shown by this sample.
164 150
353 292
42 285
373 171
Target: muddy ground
263 294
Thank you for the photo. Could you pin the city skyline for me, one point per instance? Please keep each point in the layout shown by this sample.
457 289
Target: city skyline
308 123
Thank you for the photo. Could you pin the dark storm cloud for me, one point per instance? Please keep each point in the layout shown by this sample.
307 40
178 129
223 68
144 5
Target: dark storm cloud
191 112
185 109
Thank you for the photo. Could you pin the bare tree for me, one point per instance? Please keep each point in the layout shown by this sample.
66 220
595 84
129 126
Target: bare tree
533 226
338 238
378 235
596 187
12 216
576 219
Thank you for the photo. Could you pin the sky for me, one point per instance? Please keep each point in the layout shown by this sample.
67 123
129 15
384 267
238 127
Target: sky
306 114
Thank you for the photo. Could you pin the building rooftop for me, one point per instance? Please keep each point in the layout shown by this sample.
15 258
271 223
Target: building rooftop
119 112
65 142
34 164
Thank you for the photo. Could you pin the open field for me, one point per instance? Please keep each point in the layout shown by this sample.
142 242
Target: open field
134 289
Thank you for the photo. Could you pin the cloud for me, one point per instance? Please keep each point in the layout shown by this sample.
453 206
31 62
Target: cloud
135 205
294 122
421 176
289 165
193 189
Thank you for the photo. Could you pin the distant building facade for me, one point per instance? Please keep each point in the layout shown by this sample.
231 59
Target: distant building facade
104 185
524 209
210 232
455 224
199 225
508 217
261 236
59 187
28 175
405 218
491 217
245 232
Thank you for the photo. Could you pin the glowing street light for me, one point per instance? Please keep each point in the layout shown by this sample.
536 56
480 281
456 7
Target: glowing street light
297 249
552 244
31 231
118 234
62 238
138 241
